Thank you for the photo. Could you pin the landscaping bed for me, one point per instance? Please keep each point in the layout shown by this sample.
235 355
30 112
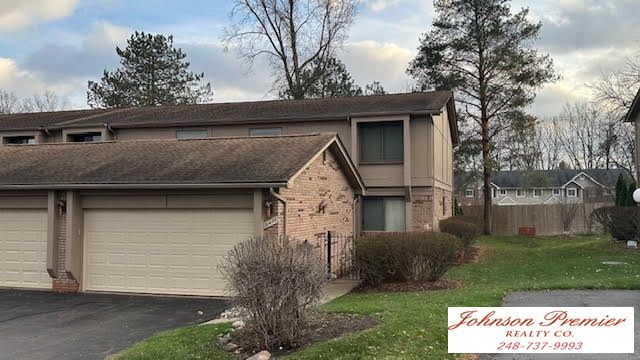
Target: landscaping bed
413 324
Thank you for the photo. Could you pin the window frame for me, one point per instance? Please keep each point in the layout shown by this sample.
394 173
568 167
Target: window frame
466 193
72 136
575 192
538 195
8 140
381 125
503 192
204 131
383 200
277 128
556 192
520 191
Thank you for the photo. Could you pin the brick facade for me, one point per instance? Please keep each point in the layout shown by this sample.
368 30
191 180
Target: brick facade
320 200
63 283
428 206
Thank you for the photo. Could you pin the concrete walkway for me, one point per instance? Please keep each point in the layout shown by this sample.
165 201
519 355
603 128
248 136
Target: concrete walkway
336 288
575 298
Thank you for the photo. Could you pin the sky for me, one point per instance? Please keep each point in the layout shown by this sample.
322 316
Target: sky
59 45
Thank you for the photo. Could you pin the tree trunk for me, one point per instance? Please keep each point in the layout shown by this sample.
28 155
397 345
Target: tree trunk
486 176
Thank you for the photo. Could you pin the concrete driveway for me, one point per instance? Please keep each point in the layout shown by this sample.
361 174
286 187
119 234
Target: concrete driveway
43 325
589 298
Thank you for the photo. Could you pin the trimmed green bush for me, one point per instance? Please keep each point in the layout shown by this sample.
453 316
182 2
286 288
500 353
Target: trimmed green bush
403 257
464 230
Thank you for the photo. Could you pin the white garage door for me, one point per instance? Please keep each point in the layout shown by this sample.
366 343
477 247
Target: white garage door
23 248
161 251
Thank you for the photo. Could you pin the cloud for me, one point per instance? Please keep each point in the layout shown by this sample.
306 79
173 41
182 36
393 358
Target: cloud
385 62
89 58
379 5
19 14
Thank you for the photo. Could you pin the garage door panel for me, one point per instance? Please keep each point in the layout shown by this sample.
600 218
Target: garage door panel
23 248
170 251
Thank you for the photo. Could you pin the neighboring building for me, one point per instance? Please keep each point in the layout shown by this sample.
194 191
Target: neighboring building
633 115
541 187
148 199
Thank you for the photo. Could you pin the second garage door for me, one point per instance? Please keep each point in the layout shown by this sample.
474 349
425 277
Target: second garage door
161 251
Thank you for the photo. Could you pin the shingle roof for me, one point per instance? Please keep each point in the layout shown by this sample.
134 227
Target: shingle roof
245 160
239 112
542 178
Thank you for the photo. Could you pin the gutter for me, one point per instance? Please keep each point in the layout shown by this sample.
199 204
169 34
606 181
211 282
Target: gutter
141 186
284 206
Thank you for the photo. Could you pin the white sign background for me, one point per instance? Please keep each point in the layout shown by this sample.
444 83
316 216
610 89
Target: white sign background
540 335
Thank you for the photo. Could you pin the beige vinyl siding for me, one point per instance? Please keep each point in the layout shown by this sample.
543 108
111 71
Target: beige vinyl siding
442 150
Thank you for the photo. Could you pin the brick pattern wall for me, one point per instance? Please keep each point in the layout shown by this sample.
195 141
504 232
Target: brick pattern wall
444 205
63 283
421 210
320 200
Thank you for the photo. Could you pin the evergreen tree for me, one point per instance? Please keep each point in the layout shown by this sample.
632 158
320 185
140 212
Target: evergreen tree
485 53
152 72
621 191
629 194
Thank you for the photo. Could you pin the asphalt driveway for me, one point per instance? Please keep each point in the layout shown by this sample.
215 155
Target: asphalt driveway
42 325
589 298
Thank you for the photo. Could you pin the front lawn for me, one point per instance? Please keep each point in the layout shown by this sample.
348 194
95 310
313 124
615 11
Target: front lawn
413 325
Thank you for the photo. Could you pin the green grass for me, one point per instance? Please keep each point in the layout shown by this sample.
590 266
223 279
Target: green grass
413 325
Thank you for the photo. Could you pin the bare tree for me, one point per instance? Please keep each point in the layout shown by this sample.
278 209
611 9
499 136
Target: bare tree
568 213
47 101
9 103
616 89
294 35
549 146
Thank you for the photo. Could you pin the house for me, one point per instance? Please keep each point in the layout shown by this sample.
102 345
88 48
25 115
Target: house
633 115
147 200
541 187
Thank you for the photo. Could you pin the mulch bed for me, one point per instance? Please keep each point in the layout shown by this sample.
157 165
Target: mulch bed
441 284
327 326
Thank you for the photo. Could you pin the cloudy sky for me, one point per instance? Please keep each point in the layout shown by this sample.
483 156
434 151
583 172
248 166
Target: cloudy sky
60 44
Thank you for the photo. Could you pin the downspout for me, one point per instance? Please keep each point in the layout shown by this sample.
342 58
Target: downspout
110 129
284 209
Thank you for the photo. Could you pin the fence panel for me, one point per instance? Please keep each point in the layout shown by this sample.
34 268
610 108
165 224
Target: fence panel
338 251
546 219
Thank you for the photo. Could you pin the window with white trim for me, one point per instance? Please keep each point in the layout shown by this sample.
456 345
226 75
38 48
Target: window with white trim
520 192
537 192
556 192
19 140
503 192
469 193
572 192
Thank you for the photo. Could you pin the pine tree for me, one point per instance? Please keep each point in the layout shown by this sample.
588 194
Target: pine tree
629 194
621 191
152 72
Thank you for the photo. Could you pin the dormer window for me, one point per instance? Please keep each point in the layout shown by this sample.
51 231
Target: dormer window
85 137
19 140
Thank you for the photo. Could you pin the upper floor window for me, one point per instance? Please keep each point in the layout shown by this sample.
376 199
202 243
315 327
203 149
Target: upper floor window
85 137
265 131
468 193
556 192
572 192
537 192
381 142
19 140
192 134
503 192
520 192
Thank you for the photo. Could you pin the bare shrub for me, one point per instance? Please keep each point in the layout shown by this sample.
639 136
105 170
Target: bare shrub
276 280
623 223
